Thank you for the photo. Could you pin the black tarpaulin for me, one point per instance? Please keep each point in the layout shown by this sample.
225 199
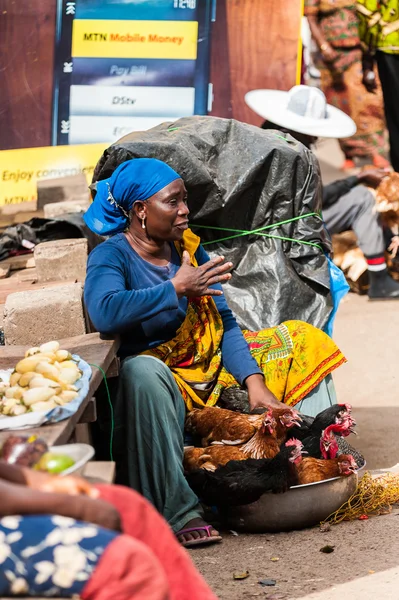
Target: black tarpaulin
242 177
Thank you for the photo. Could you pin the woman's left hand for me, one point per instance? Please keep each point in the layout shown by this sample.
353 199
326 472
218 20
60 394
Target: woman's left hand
72 486
259 395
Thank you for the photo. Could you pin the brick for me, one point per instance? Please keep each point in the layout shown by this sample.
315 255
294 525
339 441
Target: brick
34 317
61 260
51 211
60 189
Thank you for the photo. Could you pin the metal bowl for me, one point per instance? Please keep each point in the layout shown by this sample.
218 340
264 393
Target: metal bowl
301 506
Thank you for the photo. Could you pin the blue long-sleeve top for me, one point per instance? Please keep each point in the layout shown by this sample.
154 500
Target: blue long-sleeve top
126 295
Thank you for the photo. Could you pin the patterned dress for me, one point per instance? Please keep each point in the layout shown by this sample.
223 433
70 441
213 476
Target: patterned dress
341 81
48 555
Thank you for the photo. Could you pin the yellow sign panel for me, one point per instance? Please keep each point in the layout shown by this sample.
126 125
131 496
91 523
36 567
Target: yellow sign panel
134 39
20 170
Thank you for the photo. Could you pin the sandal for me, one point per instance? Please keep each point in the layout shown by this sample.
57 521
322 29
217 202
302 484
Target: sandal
203 541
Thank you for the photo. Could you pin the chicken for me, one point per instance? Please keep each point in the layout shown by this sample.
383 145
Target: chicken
210 458
345 448
326 446
236 399
387 200
245 481
337 413
311 470
267 435
212 424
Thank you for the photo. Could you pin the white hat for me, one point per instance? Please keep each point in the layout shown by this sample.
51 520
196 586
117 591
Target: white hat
303 109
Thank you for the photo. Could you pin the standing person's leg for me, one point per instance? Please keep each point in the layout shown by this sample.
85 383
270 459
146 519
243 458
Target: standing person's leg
356 210
344 89
388 69
336 95
141 521
154 413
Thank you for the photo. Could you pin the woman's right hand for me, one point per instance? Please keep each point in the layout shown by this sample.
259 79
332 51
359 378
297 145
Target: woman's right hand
196 281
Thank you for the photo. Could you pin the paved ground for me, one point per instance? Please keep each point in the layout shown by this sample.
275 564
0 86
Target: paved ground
368 334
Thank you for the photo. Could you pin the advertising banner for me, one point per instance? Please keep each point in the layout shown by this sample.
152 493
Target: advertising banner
20 170
124 65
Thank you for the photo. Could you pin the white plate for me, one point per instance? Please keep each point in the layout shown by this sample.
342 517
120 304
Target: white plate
80 453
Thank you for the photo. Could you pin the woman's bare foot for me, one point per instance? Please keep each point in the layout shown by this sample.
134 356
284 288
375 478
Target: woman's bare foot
197 533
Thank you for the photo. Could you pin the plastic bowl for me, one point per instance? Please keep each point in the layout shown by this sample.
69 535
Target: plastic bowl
80 453
301 506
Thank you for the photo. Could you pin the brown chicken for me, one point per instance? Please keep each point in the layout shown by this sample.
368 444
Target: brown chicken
236 436
210 458
310 470
387 198
212 424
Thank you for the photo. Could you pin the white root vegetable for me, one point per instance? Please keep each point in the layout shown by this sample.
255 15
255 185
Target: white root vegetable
43 406
62 355
29 364
18 409
37 382
14 392
71 388
8 405
67 396
26 378
69 375
14 379
34 395
50 347
47 370
67 364
32 351
50 356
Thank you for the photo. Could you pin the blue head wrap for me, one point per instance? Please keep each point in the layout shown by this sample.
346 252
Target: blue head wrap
133 180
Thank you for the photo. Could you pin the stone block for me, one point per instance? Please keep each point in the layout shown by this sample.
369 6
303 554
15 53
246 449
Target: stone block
34 317
61 188
51 211
61 260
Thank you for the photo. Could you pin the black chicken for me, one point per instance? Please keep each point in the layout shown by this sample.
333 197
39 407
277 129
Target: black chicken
345 448
236 399
334 421
243 482
313 427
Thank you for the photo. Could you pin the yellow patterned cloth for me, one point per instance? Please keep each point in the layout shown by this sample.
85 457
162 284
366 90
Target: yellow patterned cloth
379 24
294 356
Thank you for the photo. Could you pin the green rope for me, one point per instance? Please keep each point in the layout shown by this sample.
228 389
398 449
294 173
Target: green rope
260 231
111 454
280 137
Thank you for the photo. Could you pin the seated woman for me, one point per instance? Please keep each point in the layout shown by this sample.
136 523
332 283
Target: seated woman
152 283
62 537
